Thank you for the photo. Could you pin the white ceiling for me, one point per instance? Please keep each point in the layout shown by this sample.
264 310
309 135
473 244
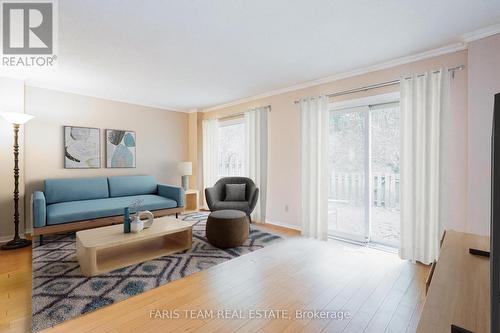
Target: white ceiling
191 53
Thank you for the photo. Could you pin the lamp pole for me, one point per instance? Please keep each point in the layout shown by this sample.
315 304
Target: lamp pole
17 242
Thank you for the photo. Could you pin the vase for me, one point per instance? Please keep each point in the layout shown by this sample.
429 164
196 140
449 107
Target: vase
150 218
136 225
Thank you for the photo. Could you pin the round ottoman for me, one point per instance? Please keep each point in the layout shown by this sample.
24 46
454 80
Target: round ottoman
227 228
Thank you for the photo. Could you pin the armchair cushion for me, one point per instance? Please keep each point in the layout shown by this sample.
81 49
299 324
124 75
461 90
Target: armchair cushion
39 209
232 205
235 192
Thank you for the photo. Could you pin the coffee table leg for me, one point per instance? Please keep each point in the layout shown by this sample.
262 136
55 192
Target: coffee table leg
87 259
190 239
182 239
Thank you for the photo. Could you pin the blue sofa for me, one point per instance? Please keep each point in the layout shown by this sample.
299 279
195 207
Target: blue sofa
82 203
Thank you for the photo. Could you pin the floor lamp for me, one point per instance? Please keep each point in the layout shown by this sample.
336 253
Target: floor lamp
16 119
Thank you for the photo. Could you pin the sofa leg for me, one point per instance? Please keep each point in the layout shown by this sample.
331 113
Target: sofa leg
176 215
41 240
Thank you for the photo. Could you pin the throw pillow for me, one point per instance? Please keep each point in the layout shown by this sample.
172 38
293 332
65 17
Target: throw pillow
235 192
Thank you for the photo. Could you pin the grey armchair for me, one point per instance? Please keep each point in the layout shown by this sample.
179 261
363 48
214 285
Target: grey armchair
215 195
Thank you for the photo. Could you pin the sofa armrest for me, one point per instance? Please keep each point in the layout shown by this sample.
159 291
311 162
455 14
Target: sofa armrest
39 209
172 192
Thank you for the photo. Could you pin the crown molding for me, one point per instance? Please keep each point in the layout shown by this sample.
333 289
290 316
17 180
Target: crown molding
372 68
481 33
69 91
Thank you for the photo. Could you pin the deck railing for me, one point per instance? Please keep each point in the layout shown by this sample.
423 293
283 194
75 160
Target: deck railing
350 188
233 168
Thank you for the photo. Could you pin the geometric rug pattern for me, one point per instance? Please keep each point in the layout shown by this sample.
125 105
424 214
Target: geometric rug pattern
62 292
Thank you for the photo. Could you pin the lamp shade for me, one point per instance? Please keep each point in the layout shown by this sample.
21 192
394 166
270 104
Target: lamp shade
17 118
185 168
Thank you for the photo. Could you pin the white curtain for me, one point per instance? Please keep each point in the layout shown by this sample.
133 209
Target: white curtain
210 130
314 158
423 99
256 156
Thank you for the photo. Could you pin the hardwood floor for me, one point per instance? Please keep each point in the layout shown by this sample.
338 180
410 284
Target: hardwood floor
15 290
377 291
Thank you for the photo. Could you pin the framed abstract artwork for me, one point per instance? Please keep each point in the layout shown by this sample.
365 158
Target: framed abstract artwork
82 149
120 149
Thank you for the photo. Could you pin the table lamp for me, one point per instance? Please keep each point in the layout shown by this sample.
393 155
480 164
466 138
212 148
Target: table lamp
186 170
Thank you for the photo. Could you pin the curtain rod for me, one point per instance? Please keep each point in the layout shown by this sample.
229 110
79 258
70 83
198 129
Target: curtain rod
236 115
384 84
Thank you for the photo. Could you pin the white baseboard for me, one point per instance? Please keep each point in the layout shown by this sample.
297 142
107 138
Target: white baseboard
284 225
5 239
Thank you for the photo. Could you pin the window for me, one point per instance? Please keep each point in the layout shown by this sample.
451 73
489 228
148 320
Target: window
231 158
363 201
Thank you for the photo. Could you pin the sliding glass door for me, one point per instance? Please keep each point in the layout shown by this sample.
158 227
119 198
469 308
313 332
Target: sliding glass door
363 179
348 156
384 168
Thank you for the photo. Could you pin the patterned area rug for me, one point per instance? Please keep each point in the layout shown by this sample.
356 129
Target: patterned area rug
61 292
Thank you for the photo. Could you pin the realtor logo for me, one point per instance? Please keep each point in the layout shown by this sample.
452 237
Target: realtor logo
28 33
27 28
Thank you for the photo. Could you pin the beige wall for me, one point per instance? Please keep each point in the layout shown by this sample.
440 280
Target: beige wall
11 100
284 141
484 82
162 139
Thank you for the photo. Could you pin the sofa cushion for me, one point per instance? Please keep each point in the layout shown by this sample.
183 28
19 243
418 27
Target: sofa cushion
72 189
122 186
91 209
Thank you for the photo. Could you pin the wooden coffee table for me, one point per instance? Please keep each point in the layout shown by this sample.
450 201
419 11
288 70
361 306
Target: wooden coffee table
104 249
